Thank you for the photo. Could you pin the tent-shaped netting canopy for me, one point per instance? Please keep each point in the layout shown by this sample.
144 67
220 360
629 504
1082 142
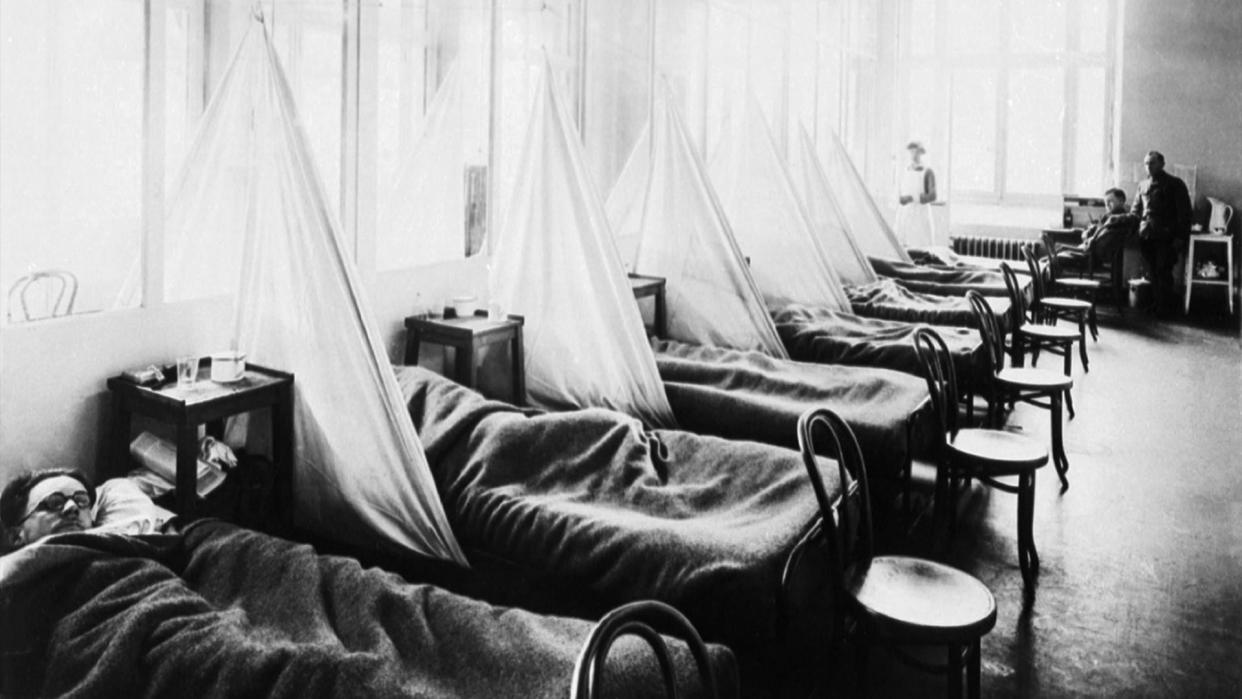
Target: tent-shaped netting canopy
769 222
664 210
250 192
866 224
824 211
554 261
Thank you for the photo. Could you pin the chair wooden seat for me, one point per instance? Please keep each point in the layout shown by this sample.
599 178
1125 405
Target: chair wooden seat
1067 304
997 452
1039 379
1081 284
893 601
921 601
1049 332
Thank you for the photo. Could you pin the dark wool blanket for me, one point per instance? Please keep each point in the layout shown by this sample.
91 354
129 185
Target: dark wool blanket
749 395
829 337
888 300
941 281
592 499
220 611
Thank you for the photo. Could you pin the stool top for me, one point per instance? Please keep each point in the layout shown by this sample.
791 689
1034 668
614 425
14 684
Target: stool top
463 328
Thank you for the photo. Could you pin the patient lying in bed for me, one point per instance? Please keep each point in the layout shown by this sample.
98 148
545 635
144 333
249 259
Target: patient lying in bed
217 610
38 504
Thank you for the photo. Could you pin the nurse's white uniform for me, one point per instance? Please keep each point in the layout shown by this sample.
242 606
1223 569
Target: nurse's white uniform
914 223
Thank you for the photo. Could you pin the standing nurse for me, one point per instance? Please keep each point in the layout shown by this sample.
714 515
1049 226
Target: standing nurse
917 191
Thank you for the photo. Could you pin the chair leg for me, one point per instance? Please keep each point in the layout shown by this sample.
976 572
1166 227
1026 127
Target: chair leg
1059 459
1082 339
974 662
955 672
1092 321
1069 403
1028 557
860 664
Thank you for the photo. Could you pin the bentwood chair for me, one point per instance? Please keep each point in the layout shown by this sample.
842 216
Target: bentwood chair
890 601
1061 284
640 619
975 453
1038 387
1048 309
1027 334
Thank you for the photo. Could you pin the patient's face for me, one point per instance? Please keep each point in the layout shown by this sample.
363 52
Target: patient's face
1113 203
55 505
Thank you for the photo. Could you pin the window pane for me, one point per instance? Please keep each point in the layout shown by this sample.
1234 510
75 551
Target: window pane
1037 27
682 62
177 91
1089 133
308 36
1093 26
1036 106
973 26
921 23
71 145
726 69
617 101
973 131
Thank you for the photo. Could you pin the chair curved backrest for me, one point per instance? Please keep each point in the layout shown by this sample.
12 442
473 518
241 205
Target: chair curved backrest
941 377
989 331
1037 277
847 517
60 291
1017 298
640 619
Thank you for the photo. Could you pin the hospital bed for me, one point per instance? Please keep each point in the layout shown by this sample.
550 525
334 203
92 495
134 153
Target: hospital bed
941 281
575 512
888 300
221 611
750 395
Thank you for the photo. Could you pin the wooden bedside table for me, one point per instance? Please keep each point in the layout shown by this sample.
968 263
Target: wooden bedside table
644 286
468 335
208 402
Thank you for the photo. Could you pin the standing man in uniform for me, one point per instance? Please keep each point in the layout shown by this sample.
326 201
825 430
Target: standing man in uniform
1162 207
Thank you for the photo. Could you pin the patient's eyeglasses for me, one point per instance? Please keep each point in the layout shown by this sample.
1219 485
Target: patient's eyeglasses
56 502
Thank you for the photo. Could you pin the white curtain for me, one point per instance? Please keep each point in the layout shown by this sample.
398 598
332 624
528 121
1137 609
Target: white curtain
555 262
251 192
827 221
871 232
664 209
423 215
768 219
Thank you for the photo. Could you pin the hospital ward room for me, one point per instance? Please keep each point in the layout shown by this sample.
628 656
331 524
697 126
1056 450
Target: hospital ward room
620 348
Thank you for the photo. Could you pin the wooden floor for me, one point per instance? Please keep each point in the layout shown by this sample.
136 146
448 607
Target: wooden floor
1140 589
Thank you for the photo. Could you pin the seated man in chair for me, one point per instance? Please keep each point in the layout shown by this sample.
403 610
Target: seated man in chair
1102 240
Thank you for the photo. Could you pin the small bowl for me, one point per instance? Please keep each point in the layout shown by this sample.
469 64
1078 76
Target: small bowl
227 367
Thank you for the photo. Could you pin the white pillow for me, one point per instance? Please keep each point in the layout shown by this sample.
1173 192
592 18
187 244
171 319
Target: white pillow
121 507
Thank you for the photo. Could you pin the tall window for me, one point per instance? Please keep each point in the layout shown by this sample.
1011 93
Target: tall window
71 152
1012 98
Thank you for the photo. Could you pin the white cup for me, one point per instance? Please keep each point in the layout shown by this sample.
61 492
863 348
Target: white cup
465 305
228 366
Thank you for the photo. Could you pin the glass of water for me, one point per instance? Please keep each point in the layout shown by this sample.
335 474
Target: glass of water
187 371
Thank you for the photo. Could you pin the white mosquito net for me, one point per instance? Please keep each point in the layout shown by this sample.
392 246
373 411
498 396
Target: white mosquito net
554 261
828 222
251 190
768 219
866 224
664 203
422 218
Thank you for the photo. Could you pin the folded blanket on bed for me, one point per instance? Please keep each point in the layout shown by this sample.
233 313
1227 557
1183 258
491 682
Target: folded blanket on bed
888 300
830 337
225 612
750 395
941 281
591 498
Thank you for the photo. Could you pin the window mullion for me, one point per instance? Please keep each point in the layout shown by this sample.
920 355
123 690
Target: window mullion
155 14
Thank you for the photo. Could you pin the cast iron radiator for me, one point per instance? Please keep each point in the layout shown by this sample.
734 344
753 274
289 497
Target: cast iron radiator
987 246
